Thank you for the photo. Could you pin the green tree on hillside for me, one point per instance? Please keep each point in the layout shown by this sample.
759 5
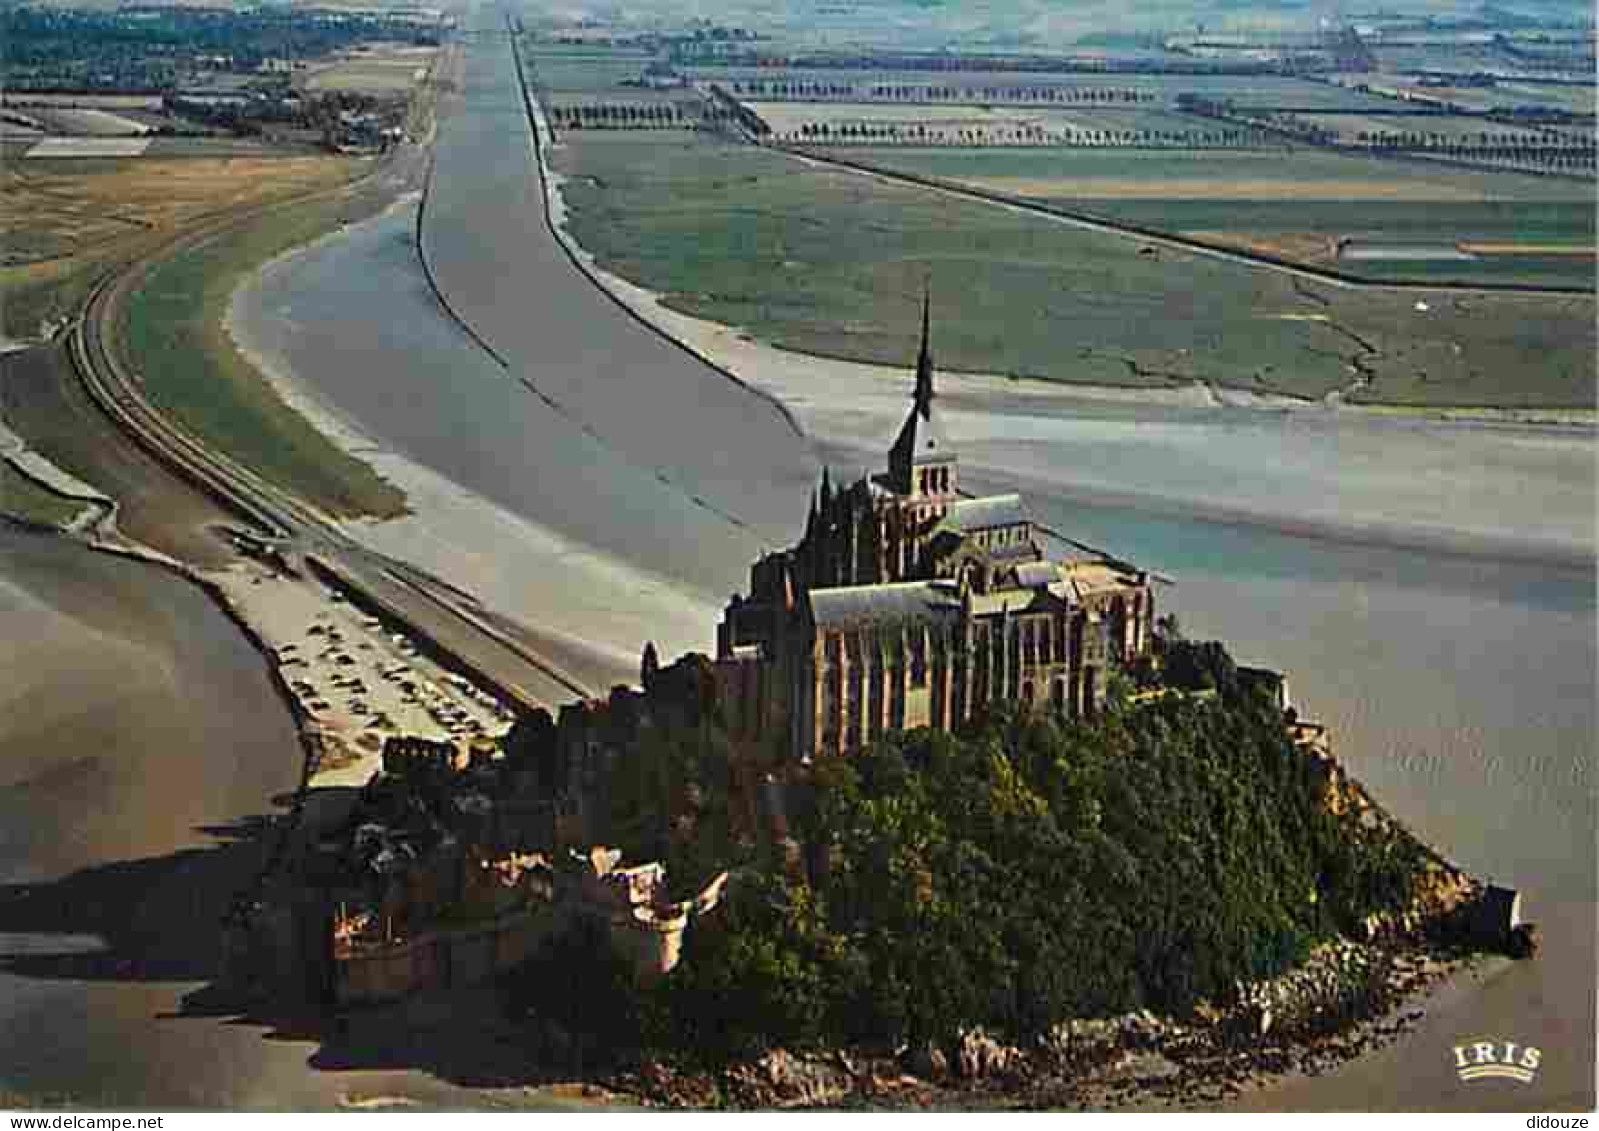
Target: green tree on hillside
1026 871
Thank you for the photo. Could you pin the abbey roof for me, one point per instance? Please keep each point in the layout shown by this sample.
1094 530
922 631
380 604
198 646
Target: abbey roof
967 516
904 602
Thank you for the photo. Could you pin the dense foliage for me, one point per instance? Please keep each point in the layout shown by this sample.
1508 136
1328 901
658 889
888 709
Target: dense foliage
1033 870
671 802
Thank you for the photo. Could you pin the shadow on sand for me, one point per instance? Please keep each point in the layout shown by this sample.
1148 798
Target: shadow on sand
156 918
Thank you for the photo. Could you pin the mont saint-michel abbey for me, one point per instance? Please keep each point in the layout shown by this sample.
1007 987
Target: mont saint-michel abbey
908 603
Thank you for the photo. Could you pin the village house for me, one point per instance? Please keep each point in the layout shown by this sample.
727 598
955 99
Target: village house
421 885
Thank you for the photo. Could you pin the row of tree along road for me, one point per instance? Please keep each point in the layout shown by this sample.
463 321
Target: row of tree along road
1532 148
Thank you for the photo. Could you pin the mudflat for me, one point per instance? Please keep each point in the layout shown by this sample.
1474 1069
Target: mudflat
132 712
133 719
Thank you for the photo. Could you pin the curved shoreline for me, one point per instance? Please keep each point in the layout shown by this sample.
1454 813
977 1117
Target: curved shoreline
239 489
437 288
431 492
735 348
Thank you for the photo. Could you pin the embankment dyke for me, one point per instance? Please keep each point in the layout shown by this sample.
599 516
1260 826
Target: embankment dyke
266 512
98 512
519 375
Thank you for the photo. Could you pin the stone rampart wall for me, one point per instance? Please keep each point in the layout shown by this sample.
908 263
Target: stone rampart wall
438 960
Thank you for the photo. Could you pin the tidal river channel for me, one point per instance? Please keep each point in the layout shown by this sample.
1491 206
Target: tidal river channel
1428 585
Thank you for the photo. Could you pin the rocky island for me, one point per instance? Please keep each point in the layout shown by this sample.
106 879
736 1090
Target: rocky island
951 817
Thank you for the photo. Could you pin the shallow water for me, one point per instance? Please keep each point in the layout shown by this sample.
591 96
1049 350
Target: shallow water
511 497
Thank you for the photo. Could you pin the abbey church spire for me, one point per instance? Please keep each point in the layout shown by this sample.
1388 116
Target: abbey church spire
924 360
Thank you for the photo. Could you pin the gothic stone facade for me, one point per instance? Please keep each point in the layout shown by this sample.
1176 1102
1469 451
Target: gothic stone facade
909 604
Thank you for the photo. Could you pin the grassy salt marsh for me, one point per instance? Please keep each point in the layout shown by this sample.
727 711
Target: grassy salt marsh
831 263
172 329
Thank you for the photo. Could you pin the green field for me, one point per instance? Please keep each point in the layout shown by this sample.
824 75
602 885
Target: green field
170 328
1157 122
1295 204
944 123
1504 95
1306 174
1537 270
592 71
832 263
